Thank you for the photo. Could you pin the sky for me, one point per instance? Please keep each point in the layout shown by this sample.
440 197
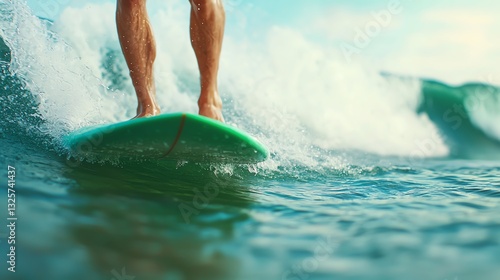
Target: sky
453 40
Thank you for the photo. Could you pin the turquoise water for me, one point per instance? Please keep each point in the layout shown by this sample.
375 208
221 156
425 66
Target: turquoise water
399 182
380 219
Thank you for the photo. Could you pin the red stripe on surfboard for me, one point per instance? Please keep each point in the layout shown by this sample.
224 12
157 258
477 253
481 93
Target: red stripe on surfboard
181 127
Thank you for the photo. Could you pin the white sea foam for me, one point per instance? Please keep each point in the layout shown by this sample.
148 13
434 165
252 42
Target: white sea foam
483 108
66 90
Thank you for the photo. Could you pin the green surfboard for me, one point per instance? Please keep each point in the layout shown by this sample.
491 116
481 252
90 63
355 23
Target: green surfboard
177 136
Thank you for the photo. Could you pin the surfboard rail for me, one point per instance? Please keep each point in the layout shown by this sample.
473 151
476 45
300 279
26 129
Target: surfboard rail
175 136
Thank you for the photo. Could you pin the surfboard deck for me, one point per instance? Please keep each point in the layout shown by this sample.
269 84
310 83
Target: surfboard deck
177 136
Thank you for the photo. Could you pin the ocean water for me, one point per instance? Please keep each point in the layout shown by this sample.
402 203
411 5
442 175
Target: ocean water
372 175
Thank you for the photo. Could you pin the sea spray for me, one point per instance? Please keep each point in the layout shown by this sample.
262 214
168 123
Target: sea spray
65 93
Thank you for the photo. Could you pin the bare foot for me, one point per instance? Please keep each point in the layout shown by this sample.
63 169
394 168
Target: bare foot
212 112
211 109
147 110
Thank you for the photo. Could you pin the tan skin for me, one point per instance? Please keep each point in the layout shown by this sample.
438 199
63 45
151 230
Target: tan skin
139 48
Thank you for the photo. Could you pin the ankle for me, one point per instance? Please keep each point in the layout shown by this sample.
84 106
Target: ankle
210 100
146 98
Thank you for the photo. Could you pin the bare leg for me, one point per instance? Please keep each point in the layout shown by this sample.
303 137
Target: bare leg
207 30
139 49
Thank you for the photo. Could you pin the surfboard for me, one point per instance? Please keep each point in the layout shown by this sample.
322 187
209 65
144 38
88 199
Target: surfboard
176 136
